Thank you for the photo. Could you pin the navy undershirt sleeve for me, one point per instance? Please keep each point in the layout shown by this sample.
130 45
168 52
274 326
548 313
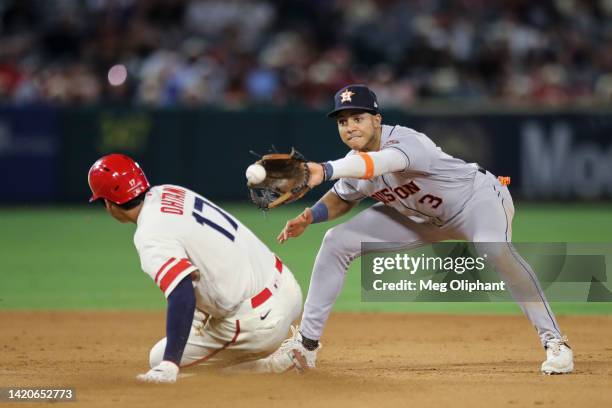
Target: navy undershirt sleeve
181 307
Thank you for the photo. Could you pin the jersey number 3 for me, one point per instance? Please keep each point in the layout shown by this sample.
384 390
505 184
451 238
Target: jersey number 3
198 208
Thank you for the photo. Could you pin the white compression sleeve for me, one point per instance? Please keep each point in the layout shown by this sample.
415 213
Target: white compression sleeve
368 165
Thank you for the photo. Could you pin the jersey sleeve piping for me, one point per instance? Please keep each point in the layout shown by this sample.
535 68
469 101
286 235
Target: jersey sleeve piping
163 268
179 277
397 148
171 273
404 153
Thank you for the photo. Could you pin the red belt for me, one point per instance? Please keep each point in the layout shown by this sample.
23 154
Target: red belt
265 294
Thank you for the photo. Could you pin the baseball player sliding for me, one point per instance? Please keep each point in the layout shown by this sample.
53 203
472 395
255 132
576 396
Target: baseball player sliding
424 196
229 298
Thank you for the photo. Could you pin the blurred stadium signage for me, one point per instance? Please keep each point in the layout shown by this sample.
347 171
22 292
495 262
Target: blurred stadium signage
555 163
29 147
126 133
45 153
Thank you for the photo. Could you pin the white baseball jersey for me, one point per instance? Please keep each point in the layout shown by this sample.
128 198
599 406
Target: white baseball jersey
179 232
433 187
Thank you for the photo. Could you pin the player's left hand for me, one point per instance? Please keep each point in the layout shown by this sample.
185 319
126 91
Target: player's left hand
164 372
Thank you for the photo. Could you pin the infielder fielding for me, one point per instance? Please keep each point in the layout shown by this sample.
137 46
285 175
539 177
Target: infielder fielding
425 196
229 298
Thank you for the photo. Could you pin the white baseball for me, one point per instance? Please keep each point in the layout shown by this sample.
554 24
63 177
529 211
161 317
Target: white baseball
255 173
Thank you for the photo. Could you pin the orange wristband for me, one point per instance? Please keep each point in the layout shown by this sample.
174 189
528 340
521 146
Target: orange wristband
369 163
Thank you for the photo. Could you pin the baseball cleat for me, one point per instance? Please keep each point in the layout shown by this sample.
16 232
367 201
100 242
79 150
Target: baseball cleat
559 357
290 355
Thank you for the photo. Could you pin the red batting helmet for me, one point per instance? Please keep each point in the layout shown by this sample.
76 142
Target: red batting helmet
117 178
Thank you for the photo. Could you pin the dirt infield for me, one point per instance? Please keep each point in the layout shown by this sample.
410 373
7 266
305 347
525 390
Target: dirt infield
368 360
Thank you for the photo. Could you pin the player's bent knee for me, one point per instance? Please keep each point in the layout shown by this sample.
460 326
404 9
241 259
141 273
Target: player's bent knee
156 355
494 252
338 241
331 238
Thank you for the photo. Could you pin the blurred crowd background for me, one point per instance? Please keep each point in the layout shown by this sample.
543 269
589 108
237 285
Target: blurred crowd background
232 53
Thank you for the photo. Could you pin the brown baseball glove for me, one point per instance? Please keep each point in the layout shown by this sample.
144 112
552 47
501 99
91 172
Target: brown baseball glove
286 180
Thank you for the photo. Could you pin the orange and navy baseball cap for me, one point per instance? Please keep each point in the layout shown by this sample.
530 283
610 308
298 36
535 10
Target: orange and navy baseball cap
355 97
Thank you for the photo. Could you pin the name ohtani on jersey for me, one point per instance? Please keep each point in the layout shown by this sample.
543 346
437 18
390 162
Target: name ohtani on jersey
173 200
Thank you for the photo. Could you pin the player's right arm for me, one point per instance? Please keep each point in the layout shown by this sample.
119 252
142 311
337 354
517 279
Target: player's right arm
334 205
164 259
361 165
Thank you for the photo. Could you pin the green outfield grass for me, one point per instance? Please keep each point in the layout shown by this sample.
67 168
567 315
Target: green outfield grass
80 258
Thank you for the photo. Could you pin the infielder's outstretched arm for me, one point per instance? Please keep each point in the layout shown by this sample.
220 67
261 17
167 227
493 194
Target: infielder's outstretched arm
334 207
361 165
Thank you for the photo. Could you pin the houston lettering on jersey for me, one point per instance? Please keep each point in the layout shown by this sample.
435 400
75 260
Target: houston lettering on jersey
173 200
386 195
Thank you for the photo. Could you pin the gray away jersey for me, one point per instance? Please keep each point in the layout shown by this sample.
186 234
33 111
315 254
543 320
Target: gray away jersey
432 188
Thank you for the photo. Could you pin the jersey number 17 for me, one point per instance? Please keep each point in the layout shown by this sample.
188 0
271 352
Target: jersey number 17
198 209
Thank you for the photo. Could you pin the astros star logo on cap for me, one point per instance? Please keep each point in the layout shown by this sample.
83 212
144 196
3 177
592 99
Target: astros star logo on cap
346 96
